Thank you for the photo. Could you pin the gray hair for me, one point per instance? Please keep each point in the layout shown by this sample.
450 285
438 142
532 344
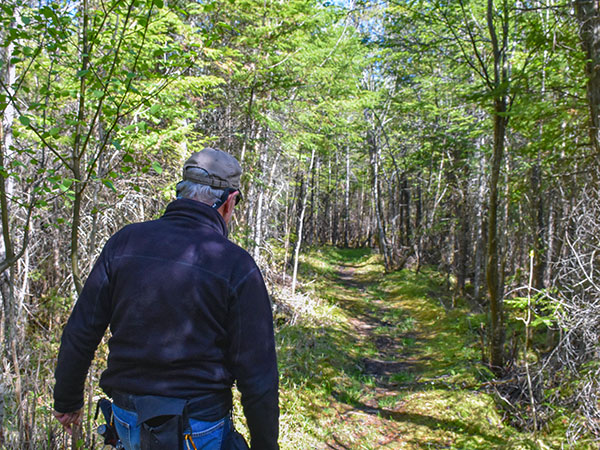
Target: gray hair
199 192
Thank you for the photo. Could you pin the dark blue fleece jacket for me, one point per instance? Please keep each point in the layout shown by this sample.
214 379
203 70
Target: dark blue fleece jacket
189 314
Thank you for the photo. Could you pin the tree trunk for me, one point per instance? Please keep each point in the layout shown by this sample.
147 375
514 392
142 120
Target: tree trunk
405 204
347 200
8 256
258 226
537 212
550 236
335 225
78 185
328 205
287 225
258 223
539 250
382 241
479 235
301 223
462 247
500 118
588 17
492 268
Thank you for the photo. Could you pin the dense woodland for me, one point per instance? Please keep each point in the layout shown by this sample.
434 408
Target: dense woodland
459 134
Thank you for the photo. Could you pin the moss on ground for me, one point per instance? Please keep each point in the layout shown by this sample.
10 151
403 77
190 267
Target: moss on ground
386 363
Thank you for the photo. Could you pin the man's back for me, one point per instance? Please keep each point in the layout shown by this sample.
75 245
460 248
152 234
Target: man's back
172 280
188 312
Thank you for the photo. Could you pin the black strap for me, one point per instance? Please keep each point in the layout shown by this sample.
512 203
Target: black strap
223 199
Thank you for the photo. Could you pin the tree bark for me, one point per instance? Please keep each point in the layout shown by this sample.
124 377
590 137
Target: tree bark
537 212
8 255
301 222
588 18
479 237
258 225
492 268
347 200
462 247
382 241
76 157
493 276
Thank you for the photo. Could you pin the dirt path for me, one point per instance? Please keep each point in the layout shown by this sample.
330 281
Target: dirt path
391 358
382 362
411 357
381 367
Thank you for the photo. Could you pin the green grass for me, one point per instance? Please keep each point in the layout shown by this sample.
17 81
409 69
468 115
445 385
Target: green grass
426 394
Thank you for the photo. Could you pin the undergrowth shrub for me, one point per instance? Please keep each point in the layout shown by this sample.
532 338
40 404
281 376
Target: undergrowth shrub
577 313
557 379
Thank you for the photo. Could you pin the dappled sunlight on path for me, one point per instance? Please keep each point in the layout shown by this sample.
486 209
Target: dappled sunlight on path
401 404
394 367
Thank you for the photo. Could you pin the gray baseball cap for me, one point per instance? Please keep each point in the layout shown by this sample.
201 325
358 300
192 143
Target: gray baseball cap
222 170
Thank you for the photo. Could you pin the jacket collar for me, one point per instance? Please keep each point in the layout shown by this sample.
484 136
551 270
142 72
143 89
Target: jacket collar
198 212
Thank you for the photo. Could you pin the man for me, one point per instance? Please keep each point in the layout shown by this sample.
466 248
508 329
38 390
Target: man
189 315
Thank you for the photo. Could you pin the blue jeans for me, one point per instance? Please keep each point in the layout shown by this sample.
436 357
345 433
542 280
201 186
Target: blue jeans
205 435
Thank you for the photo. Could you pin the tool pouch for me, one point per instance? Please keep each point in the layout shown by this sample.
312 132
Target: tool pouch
161 421
108 430
162 433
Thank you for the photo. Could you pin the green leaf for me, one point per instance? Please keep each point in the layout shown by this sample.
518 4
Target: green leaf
156 166
65 185
97 93
154 108
25 120
109 184
47 12
159 3
82 73
224 25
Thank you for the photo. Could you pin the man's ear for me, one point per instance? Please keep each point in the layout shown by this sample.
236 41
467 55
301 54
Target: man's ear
226 209
231 198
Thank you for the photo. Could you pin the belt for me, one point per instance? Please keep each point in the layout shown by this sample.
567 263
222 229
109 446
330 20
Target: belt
123 400
209 407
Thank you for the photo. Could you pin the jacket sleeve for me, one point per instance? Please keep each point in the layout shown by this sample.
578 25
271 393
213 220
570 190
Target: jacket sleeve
253 359
80 338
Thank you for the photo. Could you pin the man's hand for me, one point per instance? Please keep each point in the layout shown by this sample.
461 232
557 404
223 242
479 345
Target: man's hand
67 420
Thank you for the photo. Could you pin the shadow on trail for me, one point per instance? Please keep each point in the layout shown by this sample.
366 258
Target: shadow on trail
379 373
433 423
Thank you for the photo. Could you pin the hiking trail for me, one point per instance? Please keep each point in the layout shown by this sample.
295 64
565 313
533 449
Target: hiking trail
416 359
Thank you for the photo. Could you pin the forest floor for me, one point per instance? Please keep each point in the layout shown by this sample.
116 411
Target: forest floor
385 361
367 361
